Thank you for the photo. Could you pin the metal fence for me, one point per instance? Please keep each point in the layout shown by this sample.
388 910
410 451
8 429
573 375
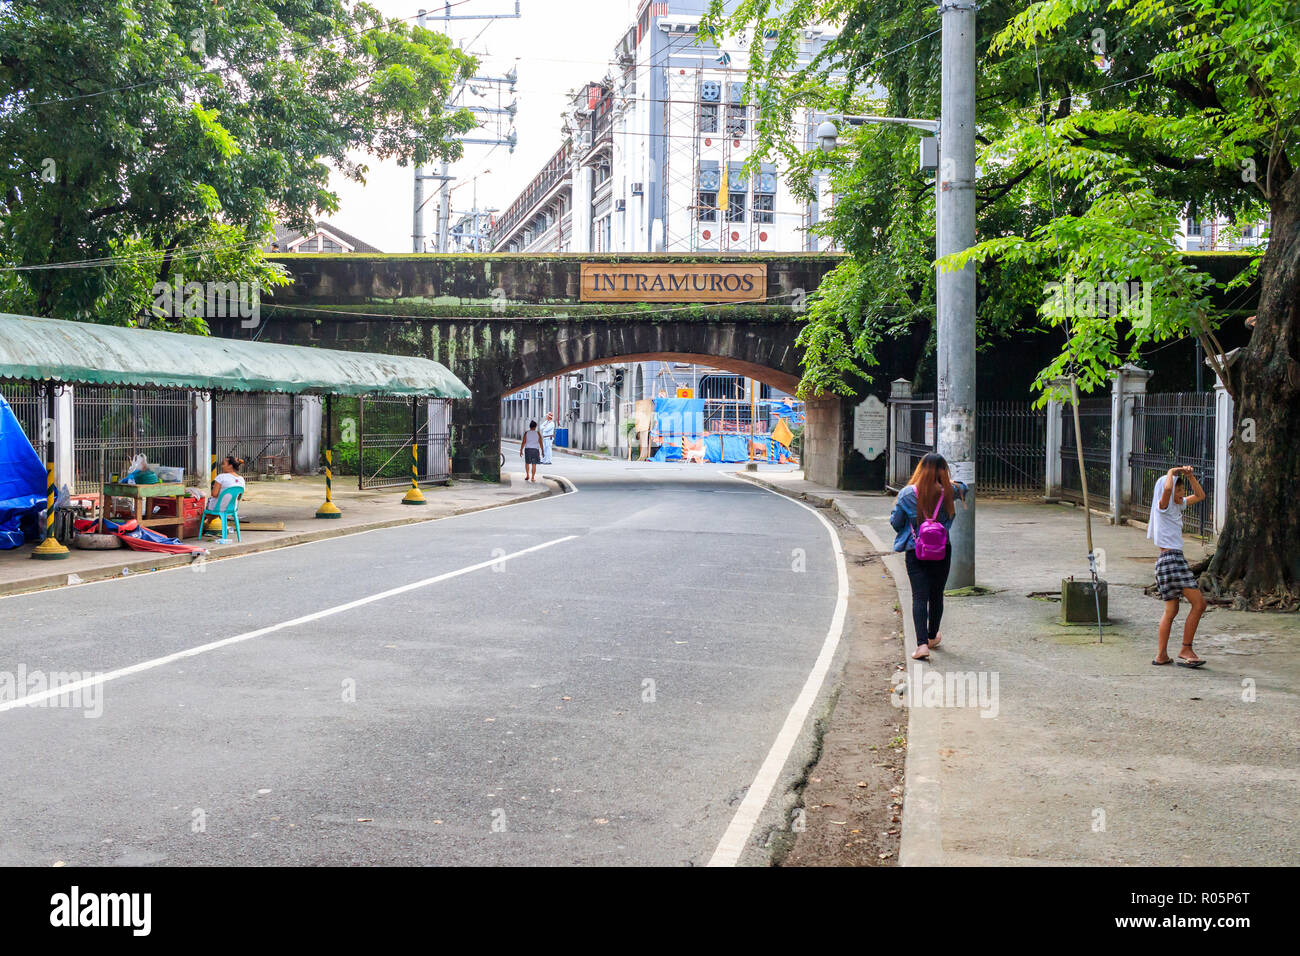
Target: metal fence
1175 428
27 401
111 425
1094 422
916 436
1010 442
262 429
386 428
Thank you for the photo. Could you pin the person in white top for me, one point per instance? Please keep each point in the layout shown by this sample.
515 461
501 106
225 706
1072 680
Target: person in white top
530 450
1173 577
228 475
548 438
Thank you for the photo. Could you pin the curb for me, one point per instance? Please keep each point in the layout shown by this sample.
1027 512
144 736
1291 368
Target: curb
163 562
921 842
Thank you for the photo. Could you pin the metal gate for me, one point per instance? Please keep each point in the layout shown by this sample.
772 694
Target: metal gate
916 436
1094 421
111 425
386 429
1011 438
1175 428
261 428
27 401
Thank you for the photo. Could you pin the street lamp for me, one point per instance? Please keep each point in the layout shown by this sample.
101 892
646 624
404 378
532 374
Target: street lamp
828 133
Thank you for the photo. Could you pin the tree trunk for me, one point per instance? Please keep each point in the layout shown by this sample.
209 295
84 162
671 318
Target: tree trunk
1257 559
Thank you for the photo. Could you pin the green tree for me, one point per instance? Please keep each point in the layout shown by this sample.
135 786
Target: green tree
151 138
1100 125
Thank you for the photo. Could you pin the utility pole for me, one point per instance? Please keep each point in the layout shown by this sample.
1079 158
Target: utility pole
955 200
443 234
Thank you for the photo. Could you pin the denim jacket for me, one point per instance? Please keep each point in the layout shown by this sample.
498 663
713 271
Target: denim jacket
903 518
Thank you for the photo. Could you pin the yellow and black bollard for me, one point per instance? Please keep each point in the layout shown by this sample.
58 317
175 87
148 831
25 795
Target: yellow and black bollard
414 497
329 509
49 549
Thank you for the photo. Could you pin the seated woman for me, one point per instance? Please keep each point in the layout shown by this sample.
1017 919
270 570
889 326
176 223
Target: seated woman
227 476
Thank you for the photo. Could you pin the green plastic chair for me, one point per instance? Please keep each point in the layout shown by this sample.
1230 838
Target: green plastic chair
226 510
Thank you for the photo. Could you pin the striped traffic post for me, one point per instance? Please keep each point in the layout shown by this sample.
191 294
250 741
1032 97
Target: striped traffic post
329 509
49 549
414 497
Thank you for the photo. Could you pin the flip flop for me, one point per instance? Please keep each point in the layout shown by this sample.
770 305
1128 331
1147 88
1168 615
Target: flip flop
1162 663
1199 662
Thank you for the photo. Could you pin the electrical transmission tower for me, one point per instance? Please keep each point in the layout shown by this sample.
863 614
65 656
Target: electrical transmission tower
444 177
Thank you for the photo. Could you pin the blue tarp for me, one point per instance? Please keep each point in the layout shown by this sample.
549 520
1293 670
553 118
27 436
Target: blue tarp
22 482
723 448
675 417
671 452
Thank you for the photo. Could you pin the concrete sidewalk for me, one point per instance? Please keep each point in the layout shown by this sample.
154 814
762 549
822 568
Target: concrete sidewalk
1079 752
293 502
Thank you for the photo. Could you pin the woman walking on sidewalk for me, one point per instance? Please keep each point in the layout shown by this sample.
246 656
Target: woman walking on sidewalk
922 516
530 450
1173 577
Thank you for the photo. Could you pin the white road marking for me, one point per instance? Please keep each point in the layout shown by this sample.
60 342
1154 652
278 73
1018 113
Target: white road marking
742 824
262 631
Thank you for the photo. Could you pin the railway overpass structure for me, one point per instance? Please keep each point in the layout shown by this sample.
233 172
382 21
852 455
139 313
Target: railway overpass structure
502 322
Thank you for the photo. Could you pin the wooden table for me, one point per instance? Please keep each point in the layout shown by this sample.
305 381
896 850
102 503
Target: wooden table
140 494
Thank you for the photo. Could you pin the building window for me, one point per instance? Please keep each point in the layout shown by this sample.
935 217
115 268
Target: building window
708 118
736 207
764 206
327 245
707 211
737 121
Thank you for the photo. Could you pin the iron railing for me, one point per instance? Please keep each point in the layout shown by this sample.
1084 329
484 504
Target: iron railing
386 428
262 429
111 425
1010 441
915 438
1175 428
27 400
1094 422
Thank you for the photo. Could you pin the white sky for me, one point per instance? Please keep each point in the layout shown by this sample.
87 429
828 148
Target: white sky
558 45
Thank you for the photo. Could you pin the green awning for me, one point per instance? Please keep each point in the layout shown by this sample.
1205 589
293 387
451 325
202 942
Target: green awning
62 351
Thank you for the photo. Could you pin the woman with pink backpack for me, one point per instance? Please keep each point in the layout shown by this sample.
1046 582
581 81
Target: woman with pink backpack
921 517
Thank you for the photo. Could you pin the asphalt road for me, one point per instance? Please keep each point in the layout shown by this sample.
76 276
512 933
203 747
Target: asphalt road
594 678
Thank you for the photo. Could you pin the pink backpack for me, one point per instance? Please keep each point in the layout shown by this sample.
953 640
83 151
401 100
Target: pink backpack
931 536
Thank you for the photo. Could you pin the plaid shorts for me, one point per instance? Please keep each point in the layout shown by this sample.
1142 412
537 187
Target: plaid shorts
1173 574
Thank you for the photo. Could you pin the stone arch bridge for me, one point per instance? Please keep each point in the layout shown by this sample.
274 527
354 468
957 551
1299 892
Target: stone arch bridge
503 322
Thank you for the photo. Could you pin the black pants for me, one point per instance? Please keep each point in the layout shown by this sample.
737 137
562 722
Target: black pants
928 579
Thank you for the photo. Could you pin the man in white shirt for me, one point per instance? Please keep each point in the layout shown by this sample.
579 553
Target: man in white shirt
548 438
1173 577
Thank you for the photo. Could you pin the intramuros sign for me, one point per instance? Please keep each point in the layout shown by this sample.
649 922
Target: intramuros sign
674 282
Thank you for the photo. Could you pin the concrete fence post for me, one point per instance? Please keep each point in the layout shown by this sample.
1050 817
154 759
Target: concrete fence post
1052 453
205 445
899 388
309 417
1128 388
1223 430
64 459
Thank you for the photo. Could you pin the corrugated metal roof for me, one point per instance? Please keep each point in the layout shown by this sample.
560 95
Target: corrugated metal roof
62 351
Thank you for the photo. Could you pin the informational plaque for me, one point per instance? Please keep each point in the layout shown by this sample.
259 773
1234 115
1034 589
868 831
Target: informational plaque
870 432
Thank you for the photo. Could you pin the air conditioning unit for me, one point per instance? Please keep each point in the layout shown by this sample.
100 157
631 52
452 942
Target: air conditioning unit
620 205
638 189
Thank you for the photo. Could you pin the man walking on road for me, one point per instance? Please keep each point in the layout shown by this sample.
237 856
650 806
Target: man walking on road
548 438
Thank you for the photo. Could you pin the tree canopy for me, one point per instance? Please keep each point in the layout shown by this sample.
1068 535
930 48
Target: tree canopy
149 138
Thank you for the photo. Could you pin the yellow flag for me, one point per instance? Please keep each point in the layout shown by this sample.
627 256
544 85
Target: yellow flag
781 434
723 192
